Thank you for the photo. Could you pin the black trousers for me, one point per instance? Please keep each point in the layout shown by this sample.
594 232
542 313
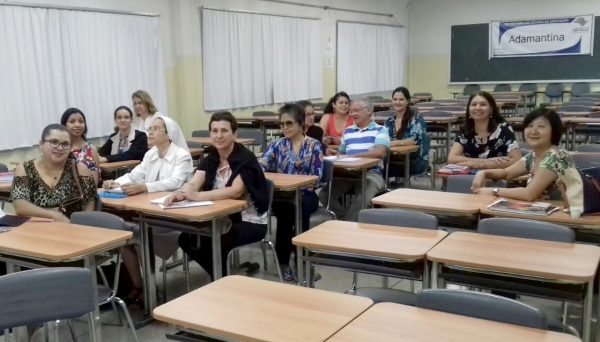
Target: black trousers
286 220
241 233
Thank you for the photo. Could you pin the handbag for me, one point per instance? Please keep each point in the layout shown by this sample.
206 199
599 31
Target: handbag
580 190
63 206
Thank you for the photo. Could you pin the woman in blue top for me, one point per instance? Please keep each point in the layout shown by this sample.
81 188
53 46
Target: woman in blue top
294 154
407 128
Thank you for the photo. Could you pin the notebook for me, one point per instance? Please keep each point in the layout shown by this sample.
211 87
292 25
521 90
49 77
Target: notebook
535 209
455 169
182 204
12 220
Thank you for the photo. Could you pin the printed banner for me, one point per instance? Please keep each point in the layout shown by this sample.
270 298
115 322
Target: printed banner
546 37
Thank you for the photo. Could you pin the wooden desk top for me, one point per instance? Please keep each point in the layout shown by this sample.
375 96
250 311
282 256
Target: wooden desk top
290 182
196 151
516 93
440 119
363 163
58 241
404 149
575 114
5 186
389 322
270 119
435 201
248 309
516 119
554 260
118 165
383 104
558 217
208 142
141 203
370 239
581 120
119 203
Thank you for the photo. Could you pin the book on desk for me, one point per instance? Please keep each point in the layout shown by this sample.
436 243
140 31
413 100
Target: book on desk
534 209
180 204
7 177
452 169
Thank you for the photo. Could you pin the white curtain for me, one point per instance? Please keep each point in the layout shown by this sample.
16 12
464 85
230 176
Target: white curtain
251 59
55 59
370 58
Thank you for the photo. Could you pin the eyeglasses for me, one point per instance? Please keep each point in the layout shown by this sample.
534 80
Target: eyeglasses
156 129
286 124
54 143
356 111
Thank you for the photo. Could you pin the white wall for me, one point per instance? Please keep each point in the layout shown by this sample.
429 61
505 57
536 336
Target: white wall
429 31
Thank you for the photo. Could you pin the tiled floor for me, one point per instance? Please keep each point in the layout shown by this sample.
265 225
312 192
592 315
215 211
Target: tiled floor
332 280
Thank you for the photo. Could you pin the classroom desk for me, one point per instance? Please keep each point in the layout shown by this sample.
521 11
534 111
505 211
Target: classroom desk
402 151
443 120
370 242
389 322
423 97
571 123
294 183
435 202
35 244
239 308
523 95
262 122
5 189
208 142
509 256
183 219
118 169
196 153
363 165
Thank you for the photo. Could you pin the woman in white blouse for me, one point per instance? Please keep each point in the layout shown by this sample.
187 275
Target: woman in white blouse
145 111
166 167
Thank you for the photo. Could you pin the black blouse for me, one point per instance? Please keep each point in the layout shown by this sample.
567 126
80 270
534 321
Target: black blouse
499 144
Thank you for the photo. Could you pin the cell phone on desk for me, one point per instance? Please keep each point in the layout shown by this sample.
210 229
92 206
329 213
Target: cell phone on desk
4 229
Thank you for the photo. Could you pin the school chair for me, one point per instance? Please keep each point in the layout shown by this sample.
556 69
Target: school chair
592 148
554 91
580 88
471 88
531 100
203 133
502 87
462 184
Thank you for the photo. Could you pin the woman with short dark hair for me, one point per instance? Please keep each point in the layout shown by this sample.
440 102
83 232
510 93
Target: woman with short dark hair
126 143
542 131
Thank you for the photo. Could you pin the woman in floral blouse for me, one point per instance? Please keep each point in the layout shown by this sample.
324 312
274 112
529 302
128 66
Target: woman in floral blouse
543 131
407 128
486 140
294 154
81 149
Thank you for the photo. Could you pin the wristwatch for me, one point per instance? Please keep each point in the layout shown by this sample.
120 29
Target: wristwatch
495 191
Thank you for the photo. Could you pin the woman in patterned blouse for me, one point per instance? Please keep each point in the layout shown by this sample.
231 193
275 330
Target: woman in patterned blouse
82 151
46 186
543 131
294 154
486 140
407 128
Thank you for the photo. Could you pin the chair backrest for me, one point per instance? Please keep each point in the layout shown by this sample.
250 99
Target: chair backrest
594 95
462 184
463 98
588 148
421 94
573 108
471 88
584 161
327 171
3 168
203 133
580 88
398 218
574 102
98 219
525 148
320 105
505 97
194 144
445 100
427 104
385 113
484 306
503 87
45 295
584 98
436 113
264 113
528 87
527 229
252 133
555 89
450 108
375 97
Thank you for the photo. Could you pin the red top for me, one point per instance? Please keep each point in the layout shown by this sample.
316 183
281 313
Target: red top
331 126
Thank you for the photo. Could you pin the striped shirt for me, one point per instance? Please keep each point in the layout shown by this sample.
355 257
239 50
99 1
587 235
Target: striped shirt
356 140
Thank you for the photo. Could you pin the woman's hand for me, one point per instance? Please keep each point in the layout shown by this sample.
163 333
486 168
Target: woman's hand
335 140
134 188
102 160
61 218
175 197
332 152
485 191
498 161
473 164
478 181
110 184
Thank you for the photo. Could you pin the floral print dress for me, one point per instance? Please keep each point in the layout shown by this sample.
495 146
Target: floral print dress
415 130
556 160
499 144
85 156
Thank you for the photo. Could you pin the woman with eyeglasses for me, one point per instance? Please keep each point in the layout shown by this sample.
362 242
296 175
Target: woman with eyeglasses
310 129
53 186
83 152
294 154
126 143
165 167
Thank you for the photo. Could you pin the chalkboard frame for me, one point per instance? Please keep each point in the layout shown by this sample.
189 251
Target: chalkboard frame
529 69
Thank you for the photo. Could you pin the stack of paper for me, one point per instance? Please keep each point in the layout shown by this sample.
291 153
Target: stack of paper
182 204
7 177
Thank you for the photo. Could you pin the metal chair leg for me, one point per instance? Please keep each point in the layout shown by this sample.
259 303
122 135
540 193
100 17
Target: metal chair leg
264 253
272 246
187 272
127 317
164 264
354 281
72 328
46 334
92 324
56 330
412 286
385 282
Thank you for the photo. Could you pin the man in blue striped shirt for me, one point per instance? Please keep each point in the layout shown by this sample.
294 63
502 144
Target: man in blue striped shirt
364 139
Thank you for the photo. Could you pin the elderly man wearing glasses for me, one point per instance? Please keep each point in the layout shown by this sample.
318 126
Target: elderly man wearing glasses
296 154
364 139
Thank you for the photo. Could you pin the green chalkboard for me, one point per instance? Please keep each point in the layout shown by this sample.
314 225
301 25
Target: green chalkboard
469 61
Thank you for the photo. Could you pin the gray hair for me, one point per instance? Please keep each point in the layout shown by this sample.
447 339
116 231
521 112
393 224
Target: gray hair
367 103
